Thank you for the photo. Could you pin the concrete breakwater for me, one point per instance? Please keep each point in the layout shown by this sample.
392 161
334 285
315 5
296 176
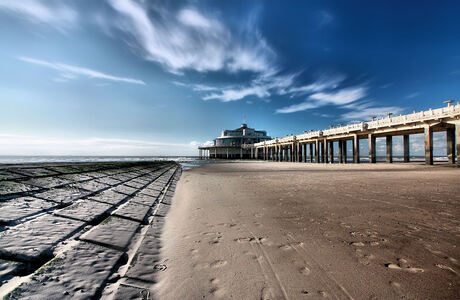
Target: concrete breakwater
83 230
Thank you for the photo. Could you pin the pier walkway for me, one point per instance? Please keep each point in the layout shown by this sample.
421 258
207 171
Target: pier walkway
318 146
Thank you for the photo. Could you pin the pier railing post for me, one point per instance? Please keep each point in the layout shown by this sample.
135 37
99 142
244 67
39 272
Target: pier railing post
372 150
356 149
406 148
450 139
389 144
428 145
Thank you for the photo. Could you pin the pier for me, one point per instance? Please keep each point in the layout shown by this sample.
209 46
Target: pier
318 146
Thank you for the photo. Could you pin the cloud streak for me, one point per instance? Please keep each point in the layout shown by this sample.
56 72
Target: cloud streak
189 40
54 13
71 72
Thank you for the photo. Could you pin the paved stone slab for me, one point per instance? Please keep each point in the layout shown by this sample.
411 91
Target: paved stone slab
34 172
63 196
77 177
84 210
144 200
109 196
146 262
127 190
34 239
134 184
96 174
114 232
133 211
92 186
11 187
47 182
79 273
108 180
21 207
162 210
8 269
150 193
63 169
7 175
128 292
121 177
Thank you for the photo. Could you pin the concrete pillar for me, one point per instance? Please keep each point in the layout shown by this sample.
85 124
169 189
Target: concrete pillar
326 151
304 153
372 150
344 151
406 148
323 152
457 141
356 149
450 139
279 153
317 151
340 151
428 145
311 152
389 142
292 153
298 155
331 152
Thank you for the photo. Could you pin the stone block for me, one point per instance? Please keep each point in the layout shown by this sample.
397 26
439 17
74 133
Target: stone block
133 211
47 182
134 184
108 180
113 232
18 208
85 210
9 269
92 186
124 189
109 196
35 239
79 273
12 187
144 200
128 292
63 196
162 210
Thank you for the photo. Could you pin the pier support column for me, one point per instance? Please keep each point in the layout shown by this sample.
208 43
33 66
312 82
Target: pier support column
356 149
344 151
311 152
323 152
304 153
389 142
372 150
299 154
326 151
428 145
406 148
280 155
450 138
340 142
457 141
241 153
317 151
331 152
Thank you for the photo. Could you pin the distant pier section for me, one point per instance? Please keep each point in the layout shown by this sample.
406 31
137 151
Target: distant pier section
318 146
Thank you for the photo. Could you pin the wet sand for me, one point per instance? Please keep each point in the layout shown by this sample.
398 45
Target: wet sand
262 230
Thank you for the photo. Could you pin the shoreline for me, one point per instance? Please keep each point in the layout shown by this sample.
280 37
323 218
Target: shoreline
288 230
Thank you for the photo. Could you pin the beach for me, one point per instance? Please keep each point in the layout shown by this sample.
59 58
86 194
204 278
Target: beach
270 230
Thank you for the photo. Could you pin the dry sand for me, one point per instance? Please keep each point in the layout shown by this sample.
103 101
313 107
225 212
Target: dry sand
262 230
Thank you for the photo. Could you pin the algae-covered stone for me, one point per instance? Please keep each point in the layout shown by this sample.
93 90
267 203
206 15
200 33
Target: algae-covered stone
12 187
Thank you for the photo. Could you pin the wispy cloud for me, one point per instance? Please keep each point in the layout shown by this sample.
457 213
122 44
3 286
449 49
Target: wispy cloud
55 13
339 97
190 40
412 95
70 72
364 111
324 82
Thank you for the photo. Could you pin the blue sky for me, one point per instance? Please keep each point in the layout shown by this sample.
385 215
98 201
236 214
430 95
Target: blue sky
127 77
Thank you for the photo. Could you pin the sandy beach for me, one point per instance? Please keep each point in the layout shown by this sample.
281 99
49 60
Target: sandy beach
263 230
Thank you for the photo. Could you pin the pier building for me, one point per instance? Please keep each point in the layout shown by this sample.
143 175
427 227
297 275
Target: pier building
232 143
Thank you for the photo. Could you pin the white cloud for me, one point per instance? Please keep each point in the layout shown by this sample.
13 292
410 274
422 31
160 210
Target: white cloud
29 145
190 40
315 100
324 82
71 72
54 13
366 111
412 95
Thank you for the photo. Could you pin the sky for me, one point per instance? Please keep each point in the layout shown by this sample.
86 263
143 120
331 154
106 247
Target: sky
132 77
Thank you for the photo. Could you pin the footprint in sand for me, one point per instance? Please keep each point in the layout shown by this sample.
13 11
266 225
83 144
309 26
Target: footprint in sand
305 271
218 264
404 266
444 267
